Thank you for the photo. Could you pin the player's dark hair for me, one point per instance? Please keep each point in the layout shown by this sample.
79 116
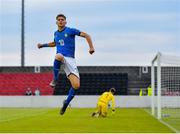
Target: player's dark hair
60 15
112 90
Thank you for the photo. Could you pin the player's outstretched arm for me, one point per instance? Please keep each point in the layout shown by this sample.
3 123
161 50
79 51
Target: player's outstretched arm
88 39
50 44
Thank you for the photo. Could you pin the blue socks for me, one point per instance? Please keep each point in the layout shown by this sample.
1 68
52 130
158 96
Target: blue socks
71 95
56 68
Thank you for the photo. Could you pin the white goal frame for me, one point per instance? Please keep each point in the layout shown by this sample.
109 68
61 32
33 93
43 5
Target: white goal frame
158 60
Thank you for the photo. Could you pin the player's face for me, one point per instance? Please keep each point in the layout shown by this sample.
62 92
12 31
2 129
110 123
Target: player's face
61 22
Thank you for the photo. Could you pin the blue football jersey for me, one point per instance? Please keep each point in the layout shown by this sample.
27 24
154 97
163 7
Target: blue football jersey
65 41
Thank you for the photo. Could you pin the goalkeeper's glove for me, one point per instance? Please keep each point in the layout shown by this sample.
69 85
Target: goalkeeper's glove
113 111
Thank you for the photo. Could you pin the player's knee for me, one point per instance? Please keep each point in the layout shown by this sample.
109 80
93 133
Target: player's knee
104 114
59 57
76 85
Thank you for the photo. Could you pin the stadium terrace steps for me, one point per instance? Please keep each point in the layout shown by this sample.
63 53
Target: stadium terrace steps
95 83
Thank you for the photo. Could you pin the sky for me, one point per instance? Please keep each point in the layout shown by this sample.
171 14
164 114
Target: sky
124 32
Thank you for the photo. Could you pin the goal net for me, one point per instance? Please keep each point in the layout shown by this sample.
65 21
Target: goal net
165 82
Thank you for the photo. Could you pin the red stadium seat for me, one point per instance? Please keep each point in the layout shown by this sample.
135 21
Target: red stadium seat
17 83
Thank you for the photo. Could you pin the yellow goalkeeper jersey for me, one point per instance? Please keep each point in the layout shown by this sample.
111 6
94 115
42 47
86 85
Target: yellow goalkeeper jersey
106 97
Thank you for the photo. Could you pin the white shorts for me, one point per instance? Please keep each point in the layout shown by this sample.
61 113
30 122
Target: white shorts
70 66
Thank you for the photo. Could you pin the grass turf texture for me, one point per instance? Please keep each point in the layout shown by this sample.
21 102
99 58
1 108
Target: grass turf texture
77 120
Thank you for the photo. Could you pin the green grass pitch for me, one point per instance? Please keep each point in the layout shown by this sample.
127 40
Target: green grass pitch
78 120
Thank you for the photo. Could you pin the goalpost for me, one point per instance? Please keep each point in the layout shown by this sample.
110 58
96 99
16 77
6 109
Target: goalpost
165 83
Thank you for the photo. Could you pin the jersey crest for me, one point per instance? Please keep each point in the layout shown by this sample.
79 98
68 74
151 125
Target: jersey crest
65 35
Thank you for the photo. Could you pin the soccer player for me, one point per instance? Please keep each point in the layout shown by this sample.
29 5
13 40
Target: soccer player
103 101
64 40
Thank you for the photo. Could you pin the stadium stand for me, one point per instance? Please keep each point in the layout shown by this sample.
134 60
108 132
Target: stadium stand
94 80
18 83
95 83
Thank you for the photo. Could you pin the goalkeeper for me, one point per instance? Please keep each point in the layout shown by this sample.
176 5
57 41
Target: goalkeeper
103 101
